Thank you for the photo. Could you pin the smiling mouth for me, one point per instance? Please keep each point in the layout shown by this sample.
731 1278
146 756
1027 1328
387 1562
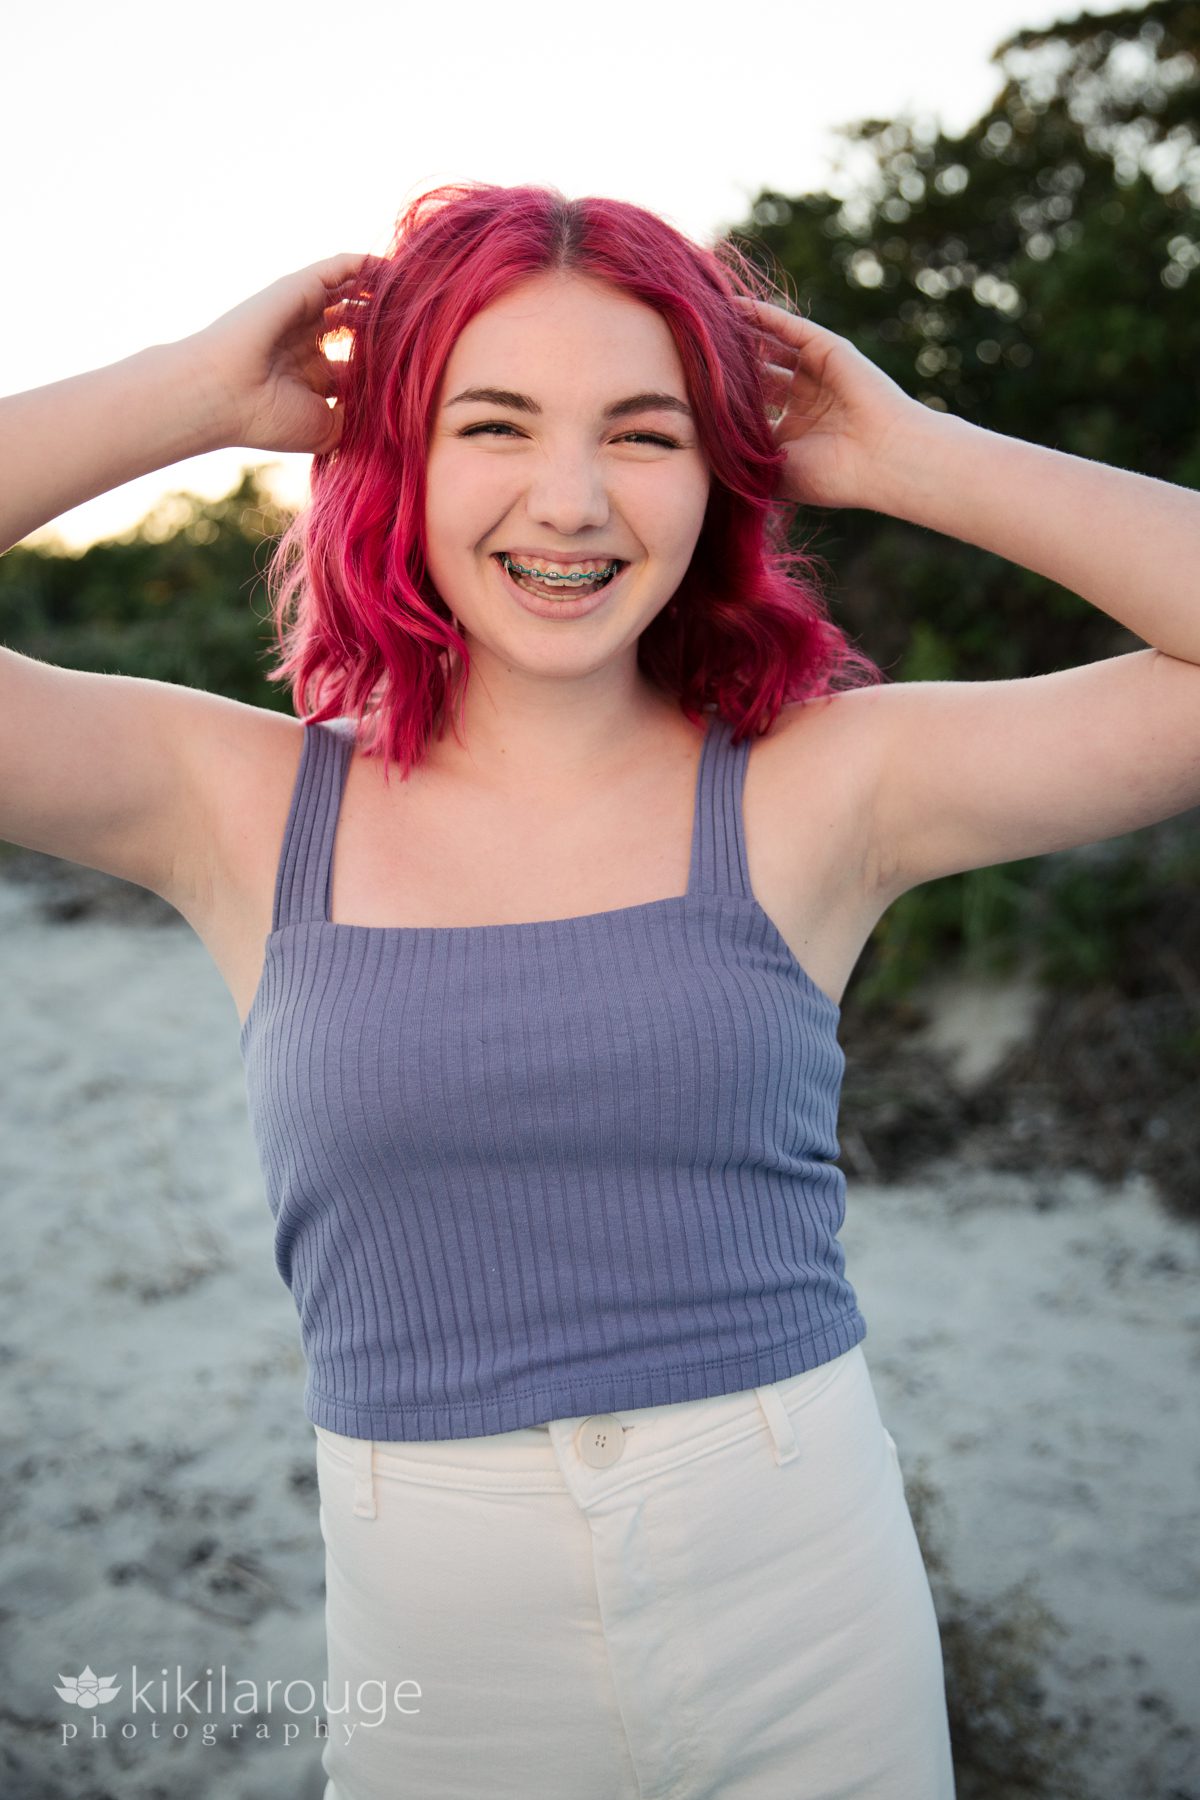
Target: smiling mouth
559 586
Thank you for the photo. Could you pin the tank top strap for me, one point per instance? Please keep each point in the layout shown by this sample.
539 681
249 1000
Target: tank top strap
719 864
305 874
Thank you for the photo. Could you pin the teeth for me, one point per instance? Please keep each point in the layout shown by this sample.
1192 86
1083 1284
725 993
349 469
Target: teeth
559 571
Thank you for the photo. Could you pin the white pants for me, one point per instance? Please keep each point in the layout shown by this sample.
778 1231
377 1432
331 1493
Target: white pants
722 1599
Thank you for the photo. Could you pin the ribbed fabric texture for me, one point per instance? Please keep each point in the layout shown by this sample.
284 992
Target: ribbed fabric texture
533 1171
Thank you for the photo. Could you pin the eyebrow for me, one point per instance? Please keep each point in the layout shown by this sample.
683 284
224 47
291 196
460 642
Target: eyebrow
620 409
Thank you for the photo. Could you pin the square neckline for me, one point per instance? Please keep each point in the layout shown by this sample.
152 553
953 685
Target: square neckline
563 925
706 741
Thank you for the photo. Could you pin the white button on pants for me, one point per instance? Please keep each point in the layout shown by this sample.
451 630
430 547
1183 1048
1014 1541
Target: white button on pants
601 1440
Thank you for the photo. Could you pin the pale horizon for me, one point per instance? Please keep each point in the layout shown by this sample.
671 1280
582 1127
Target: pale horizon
171 164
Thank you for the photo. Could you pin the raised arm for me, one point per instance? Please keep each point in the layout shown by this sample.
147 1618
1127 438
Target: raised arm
102 769
255 377
63 444
970 774
976 773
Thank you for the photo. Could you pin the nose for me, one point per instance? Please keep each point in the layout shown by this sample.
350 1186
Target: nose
568 495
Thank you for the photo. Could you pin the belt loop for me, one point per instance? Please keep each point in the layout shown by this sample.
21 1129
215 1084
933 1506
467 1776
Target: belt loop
779 1425
364 1478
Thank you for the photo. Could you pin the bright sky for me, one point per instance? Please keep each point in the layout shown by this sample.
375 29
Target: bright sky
163 162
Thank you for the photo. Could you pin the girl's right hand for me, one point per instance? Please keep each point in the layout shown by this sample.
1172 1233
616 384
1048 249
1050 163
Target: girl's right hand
262 367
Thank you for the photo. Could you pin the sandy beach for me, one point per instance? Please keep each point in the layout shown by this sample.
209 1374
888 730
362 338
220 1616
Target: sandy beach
1034 1344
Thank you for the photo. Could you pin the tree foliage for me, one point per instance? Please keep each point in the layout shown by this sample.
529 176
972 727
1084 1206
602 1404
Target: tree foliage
1036 275
179 598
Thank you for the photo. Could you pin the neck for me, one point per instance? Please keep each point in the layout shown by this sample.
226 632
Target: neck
546 737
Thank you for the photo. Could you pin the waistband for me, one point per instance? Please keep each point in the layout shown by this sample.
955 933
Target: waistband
546 1457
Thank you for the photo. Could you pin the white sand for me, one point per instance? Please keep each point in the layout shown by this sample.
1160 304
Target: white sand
1034 1351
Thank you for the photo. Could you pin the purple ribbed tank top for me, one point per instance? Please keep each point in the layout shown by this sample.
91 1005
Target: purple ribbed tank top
533 1171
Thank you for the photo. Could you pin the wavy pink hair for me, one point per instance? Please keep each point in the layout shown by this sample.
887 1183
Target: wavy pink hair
360 628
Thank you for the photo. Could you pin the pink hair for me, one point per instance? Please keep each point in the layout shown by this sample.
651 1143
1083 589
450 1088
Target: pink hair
361 629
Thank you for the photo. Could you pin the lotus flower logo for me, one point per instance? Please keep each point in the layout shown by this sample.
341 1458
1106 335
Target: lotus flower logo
88 1689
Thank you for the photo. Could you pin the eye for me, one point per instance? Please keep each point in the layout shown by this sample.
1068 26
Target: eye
647 437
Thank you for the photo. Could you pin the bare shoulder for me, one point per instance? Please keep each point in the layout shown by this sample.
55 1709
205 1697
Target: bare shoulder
240 766
847 719
126 774
821 764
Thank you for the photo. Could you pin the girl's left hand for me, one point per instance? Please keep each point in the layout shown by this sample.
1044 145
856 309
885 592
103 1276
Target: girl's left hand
842 419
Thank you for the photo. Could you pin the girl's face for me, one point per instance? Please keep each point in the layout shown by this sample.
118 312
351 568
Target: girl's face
560 473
